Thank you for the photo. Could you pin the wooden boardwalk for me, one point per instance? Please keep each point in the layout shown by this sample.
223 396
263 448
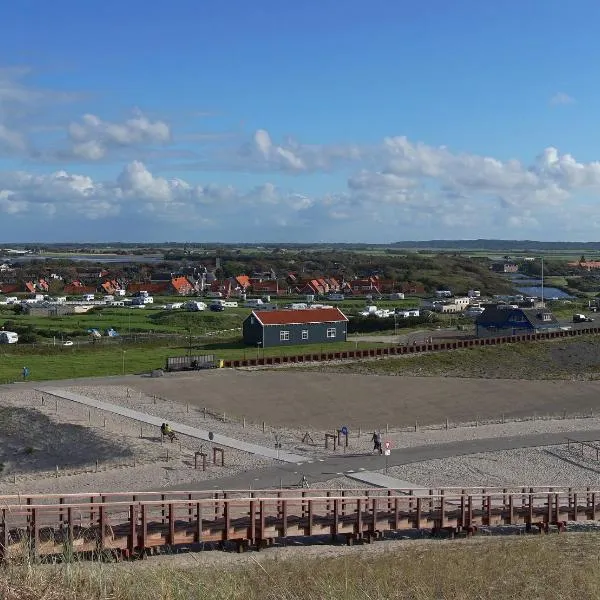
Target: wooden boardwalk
127 525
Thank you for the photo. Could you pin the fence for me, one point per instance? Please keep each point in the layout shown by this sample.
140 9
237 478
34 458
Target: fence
187 363
404 350
135 524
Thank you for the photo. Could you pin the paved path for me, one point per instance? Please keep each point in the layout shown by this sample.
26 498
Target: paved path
201 434
374 479
321 470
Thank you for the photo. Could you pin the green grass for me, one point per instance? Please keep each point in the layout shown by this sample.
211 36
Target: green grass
554 567
563 358
104 359
127 321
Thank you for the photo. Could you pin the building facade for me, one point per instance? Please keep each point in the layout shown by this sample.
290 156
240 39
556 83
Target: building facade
268 329
508 320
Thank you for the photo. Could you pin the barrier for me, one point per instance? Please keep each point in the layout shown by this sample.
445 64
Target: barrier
127 525
410 349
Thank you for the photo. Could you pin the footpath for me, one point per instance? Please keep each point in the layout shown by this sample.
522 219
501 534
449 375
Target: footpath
201 434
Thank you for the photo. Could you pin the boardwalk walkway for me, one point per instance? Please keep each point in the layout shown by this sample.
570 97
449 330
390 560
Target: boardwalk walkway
201 434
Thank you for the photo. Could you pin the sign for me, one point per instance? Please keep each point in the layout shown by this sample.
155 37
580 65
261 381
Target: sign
388 445
387 451
344 430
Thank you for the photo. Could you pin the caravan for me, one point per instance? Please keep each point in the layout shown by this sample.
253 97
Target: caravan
8 337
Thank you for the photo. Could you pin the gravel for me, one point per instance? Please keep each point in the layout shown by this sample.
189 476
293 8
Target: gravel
541 466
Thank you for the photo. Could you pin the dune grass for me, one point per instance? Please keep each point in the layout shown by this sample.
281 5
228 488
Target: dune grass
563 358
546 567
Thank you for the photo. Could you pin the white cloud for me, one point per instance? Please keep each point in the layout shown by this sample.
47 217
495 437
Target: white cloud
92 137
560 98
262 154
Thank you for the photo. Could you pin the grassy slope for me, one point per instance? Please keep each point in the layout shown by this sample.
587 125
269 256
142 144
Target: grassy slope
560 359
546 567
87 360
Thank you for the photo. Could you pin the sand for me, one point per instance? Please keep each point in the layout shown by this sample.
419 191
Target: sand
329 400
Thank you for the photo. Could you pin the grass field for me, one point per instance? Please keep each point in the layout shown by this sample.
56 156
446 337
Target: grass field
99 360
555 567
566 358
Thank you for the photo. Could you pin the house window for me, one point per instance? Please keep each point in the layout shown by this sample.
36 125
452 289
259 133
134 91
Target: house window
284 336
305 334
331 332
546 317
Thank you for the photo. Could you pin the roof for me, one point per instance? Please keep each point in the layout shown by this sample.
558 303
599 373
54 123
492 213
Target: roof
513 317
180 283
297 317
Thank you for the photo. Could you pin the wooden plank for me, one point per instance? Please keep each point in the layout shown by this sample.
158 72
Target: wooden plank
144 527
171 524
102 519
133 510
359 516
252 526
374 508
284 517
336 517
5 530
310 517
261 528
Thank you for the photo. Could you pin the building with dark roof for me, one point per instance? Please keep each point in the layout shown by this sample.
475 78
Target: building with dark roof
267 329
504 319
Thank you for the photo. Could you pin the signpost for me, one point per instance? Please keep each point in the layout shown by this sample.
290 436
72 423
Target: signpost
277 444
387 451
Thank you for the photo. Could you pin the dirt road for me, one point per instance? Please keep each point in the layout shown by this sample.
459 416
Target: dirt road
324 400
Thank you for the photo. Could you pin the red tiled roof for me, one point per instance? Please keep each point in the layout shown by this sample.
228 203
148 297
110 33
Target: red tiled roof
181 284
243 281
290 317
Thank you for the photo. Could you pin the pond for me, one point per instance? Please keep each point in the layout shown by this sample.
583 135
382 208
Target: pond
549 292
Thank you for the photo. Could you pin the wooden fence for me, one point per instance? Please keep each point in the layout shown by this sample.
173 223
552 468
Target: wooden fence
399 350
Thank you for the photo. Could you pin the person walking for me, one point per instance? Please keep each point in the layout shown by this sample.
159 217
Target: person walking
377 442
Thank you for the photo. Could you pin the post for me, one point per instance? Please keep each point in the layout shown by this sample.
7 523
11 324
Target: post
187 408
264 426
104 423
141 432
56 405
446 422
204 412
386 463
244 423
416 426
89 416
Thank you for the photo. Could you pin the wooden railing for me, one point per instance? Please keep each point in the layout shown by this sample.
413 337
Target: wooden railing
135 524
399 350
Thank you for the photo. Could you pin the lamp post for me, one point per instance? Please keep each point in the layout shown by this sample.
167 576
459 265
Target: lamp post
258 345
123 362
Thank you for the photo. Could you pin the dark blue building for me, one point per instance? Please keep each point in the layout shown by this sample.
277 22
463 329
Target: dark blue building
270 328
502 319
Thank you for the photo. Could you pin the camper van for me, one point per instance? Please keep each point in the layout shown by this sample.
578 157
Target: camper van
254 303
8 337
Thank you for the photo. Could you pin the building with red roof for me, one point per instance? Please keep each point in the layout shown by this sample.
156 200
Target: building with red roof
271 328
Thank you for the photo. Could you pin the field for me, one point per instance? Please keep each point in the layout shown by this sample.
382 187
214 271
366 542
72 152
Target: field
546 567
328 400
575 358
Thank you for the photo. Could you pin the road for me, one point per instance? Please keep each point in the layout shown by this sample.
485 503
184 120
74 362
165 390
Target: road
323 469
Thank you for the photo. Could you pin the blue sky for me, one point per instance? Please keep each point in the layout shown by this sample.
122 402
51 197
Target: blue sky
309 121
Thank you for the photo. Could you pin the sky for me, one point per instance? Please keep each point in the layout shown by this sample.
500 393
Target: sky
312 121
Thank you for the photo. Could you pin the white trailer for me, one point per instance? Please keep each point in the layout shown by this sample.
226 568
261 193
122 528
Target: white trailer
8 337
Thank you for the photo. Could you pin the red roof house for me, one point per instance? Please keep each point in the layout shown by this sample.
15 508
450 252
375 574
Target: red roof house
269 328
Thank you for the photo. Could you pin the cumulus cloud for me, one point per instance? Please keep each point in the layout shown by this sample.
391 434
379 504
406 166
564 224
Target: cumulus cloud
93 137
261 153
560 98
136 192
